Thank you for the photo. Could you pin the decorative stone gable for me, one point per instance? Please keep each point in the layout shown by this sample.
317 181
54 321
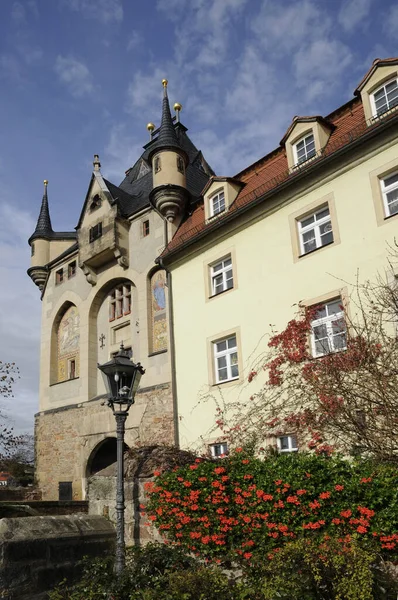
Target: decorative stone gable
102 233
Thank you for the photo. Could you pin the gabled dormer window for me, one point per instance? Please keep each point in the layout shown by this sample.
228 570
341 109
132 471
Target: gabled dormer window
304 149
217 203
385 98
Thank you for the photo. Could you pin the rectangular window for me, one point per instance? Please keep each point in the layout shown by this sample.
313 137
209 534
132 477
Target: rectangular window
389 189
95 232
145 228
59 276
287 443
226 359
32 249
385 98
218 450
304 149
120 302
217 204
221 275
71 369
315 230
65 491
329 332
72 269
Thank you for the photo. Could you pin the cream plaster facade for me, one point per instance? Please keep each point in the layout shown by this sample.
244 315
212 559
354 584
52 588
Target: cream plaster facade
273 279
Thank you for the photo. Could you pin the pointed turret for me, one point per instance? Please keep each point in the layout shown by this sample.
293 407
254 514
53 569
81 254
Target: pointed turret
167 137
39 242
169 161
43 229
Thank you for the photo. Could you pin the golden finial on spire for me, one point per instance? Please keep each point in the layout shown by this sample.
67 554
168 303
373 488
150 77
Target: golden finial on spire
45 182
164 82
151 128
177 106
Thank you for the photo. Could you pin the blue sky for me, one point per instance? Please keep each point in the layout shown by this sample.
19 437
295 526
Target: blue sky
79 77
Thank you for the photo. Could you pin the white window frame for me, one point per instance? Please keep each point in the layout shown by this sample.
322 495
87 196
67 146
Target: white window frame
217 199
316 226
328 321
385 190
373 101
304 140
227 354
291 439
223 271
223 447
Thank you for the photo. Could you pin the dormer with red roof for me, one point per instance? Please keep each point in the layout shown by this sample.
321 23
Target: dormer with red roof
219 194
305 139
379 89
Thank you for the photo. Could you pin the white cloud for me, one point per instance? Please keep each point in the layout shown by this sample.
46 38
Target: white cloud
145 91
321 65
75 76
18 12
391 22
283 27
19 325
353 12
121 152
135 40
105 11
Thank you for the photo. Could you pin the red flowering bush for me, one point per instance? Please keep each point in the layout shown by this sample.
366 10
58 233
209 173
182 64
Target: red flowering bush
245 509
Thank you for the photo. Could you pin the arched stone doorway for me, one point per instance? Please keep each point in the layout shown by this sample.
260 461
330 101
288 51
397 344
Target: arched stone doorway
103 455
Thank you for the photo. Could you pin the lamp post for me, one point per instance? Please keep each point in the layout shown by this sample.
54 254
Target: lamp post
121 378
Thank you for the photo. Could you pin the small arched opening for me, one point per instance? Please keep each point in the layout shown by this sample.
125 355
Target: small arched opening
103 455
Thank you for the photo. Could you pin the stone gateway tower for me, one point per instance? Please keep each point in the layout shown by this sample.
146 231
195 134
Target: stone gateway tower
101 285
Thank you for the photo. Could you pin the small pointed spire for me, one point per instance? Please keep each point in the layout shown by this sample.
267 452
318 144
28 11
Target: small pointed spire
96 163
43 227
167 137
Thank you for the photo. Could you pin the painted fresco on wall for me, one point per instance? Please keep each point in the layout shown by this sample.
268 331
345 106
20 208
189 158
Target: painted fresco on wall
158 310
68 345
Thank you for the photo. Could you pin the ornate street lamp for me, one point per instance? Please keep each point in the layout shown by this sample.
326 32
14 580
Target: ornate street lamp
121 378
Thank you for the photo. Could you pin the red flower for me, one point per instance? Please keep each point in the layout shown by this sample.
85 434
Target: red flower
324 495
346 513
156 473
245 461
339 488
361 529
301 492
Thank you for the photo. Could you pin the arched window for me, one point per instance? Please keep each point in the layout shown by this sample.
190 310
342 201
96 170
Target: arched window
157 164
68 345
158 328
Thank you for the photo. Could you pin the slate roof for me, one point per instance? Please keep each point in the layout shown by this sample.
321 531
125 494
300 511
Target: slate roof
44 228
167 137
267 175
138 189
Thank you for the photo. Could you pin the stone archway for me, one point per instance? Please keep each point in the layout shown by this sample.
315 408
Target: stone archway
103 455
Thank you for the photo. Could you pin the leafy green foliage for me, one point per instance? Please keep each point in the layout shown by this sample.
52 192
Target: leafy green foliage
243 507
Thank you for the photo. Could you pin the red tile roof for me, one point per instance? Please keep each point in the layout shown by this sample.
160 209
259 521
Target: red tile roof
269 172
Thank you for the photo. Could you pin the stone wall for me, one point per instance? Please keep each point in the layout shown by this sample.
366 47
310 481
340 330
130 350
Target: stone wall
66 438
39 552
39 508
139 467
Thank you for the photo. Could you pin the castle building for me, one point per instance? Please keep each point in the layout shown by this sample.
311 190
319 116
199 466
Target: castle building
100 286
172 241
